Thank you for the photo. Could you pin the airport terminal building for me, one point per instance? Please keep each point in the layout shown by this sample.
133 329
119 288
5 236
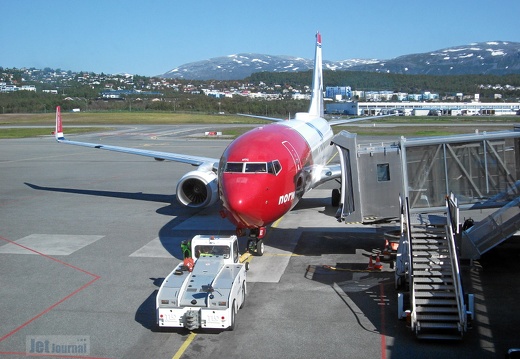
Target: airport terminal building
424 108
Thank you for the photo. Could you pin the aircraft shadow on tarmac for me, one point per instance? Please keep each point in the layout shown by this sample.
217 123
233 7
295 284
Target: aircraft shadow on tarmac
140 196
179 212
172 209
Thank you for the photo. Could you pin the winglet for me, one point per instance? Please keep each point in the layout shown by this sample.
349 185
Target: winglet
316 107
58 132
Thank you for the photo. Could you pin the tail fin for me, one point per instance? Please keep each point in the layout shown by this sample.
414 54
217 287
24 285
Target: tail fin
316 108
58 132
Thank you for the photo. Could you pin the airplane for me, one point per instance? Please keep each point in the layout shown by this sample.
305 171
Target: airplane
264 172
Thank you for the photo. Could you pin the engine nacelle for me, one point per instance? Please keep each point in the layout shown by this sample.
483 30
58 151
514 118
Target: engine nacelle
198 189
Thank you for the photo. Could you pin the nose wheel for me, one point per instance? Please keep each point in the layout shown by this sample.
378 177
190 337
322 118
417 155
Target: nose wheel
256 246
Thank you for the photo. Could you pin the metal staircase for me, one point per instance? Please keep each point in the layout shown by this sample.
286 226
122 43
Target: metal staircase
492 230
427 265
436 313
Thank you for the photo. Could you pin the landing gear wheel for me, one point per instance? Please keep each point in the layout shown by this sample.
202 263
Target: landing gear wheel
256 247
336 197
260 247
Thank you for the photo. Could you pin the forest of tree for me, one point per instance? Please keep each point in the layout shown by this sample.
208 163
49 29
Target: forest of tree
372 81
87 98
31 102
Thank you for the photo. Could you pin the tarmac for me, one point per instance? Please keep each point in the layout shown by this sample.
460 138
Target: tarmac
87 236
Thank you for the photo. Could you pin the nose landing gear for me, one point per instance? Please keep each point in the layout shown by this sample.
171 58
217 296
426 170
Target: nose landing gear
255 244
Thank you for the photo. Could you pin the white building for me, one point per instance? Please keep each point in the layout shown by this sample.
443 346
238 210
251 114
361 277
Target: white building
28 88
425 108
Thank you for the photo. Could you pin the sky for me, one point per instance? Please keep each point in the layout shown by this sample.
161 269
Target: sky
151 37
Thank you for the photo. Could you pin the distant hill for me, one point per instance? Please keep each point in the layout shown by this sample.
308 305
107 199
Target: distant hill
493 58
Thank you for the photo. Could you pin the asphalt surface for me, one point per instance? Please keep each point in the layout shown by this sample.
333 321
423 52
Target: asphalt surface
87 236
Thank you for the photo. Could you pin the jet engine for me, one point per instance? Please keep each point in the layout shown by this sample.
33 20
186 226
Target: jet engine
198 189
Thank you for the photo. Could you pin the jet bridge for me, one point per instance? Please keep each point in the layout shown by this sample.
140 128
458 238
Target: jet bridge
371 179
409 181
481 169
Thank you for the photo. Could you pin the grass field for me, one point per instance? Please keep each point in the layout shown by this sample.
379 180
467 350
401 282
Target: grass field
43 131
408 126
127 118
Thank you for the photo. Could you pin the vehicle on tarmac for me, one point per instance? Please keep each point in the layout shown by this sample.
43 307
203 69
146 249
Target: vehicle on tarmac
207 289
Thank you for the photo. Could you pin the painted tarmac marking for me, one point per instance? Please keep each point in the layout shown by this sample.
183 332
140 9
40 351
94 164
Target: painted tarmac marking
383 330
94 276
49 244
160 247
184 346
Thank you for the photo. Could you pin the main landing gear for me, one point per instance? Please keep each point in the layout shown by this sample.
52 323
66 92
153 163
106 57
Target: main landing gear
255 244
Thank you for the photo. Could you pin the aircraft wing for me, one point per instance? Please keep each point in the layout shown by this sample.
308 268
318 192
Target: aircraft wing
350 120
272 119
158 155
168 156
331 123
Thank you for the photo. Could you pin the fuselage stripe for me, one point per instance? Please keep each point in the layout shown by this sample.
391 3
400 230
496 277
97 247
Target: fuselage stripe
315 129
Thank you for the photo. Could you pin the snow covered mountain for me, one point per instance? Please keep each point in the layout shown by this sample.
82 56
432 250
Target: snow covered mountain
494 57
239 66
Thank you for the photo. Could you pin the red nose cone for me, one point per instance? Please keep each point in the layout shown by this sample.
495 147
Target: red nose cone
244 198
251 200
256 198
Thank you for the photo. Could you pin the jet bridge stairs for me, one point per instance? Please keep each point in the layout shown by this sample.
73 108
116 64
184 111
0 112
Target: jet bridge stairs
427 266
495 228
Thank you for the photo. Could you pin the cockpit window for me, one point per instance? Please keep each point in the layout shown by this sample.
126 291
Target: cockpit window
256 167
272 167
234 167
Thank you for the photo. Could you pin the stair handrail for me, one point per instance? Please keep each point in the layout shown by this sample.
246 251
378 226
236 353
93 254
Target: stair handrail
406 220
452 205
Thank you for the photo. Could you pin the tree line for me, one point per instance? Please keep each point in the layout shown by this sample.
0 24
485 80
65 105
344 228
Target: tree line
373 81
86 98
32 102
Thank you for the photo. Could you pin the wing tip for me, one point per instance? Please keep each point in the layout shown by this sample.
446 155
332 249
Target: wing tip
58 131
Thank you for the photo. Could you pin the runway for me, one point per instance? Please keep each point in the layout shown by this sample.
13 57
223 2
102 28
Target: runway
87 236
